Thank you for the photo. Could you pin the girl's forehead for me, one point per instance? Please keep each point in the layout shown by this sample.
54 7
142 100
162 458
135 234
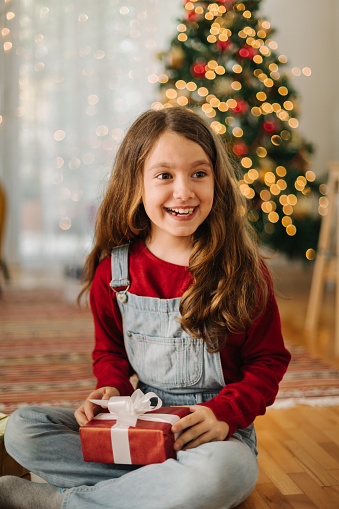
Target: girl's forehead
173 144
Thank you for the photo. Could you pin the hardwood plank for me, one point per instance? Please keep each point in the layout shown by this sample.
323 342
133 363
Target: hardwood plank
324 418
285 458
315 450
332 434
273 497
254 501
261 421
333 493
277 475
332 415
323 498
267 421
262 478
331 449
304 417
335 474
335 410
322 477
284 419
301 502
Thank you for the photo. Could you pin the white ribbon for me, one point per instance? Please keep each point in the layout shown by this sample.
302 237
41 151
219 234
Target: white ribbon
126 410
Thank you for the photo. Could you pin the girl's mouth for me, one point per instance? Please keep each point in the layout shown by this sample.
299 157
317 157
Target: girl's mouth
181 211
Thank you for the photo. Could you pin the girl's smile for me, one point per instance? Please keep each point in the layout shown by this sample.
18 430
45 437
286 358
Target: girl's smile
182 212
178 189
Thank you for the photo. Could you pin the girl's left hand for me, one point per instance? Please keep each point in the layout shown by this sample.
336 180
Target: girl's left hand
203 427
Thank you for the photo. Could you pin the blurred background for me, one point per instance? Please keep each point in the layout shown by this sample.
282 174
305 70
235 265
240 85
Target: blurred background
76 73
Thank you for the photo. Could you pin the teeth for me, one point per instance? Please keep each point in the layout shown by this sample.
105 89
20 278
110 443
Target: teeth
181 211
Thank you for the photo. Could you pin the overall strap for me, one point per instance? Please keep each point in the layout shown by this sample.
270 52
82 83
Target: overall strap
119 263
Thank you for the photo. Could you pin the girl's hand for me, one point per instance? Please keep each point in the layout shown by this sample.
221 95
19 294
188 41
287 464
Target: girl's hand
203 427
88 410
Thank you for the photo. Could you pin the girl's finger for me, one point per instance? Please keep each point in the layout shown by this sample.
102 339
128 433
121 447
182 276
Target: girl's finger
186 422
80 416
202 439
89 409
190 435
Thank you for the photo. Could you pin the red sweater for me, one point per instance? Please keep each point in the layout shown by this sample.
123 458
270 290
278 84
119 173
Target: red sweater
253 362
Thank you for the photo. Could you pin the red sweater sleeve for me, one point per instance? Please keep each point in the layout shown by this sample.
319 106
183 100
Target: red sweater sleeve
110 363
262 359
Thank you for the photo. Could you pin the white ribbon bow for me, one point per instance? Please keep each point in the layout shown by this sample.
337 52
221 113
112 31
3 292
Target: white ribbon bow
126 410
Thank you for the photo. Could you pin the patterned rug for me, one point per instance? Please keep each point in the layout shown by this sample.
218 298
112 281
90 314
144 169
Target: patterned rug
308 381
45 350
45 357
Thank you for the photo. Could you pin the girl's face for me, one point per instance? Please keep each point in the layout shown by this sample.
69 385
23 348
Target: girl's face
178 188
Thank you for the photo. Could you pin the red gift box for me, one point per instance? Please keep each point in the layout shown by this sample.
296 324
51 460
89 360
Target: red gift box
148 442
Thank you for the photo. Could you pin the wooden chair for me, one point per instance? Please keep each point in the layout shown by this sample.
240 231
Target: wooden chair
326 267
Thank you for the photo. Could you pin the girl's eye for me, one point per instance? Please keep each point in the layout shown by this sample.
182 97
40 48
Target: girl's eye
199 174
163 176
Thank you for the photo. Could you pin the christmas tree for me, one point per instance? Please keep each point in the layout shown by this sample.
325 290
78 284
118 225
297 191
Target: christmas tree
223 63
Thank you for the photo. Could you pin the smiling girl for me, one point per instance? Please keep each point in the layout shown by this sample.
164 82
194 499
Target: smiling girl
181 297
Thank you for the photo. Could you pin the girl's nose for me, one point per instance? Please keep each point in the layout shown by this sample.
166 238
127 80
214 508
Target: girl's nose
182 190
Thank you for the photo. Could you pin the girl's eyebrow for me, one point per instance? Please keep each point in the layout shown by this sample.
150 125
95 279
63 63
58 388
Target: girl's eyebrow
164 164
202 161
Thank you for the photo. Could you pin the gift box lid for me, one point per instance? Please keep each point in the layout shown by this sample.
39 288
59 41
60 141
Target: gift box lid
141 424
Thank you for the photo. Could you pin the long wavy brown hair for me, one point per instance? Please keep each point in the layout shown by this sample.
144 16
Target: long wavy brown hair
230 283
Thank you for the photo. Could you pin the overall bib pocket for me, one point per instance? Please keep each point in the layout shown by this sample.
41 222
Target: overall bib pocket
168 362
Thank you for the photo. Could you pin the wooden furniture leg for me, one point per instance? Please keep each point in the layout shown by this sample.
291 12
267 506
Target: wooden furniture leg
320 273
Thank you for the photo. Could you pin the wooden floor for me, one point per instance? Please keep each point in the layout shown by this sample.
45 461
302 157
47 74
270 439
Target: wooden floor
299 447
298 459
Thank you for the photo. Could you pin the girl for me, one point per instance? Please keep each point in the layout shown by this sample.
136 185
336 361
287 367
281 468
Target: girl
181 297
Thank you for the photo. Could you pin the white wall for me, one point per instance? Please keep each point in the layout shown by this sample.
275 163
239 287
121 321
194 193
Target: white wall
305 33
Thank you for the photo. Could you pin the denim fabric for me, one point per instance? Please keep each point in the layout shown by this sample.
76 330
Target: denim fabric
216 475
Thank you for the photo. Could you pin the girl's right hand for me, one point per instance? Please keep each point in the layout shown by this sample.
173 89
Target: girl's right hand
88 410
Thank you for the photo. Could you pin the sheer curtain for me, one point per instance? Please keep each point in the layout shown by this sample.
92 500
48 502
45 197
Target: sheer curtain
74 75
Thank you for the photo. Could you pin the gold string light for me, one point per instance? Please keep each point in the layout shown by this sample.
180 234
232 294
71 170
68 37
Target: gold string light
310 254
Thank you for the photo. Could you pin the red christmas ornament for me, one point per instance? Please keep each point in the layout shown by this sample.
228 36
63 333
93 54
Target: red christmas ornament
247 52
242 107
224 45
268 126
192 16
198 69
244 53
271 126
240 148
252 52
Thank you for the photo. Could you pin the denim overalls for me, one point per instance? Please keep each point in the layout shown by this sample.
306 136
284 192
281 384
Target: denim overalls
167 361
215 475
